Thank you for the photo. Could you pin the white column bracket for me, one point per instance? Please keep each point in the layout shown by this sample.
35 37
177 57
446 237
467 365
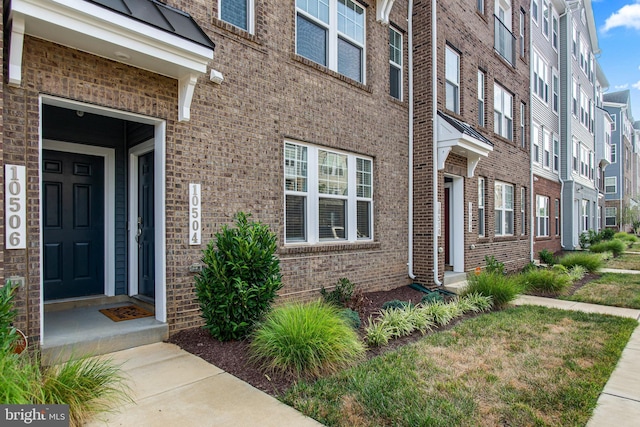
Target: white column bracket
383 10
16 44
186 87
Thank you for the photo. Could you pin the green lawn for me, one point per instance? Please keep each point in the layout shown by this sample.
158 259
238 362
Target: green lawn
624 262
522 366
618 290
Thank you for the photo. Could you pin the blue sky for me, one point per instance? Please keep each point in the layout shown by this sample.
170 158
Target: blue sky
618 24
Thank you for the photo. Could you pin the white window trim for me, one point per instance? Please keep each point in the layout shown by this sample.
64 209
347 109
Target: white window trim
312 196
523 115
556 155
608 210
584 212
333 34
534 15
555 18
505 116
535 139
540 66
614 185
482 99
546 149
523 208
398 65
614 154
542 202
456 84
482 196
555 91
546 5
504 210
250 16
556 215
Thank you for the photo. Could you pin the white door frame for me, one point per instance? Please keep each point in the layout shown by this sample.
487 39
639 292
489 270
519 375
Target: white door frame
456 222
159 203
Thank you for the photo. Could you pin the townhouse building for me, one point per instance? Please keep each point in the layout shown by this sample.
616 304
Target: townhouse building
134 130
545 124
578 45
602 134
619 175
471 150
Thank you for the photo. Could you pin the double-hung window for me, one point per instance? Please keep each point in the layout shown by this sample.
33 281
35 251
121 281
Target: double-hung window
556 153
481 97
574 97
395 63
502 112
540 77
545 18
576 155
554 31
481 201
237 12
610 217
611 185
332 33
503 205
522 33
555 99
546 139
523 213
585 215
542 216
523 116
557 216
534 11
614 157
535 139
452 74
328 195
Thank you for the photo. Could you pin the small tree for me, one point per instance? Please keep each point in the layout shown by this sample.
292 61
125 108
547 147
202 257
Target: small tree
240 279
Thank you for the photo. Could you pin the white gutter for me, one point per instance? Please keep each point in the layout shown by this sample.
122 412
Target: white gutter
434 123
410 83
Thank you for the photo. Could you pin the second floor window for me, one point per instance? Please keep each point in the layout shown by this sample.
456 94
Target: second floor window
452 72
331 33
540 77
237 13
502 112
395 64
481 79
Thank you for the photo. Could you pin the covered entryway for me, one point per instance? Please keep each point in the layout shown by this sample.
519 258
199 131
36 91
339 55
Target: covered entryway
454 223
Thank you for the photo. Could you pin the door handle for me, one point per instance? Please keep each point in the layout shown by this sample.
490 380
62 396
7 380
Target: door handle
139 233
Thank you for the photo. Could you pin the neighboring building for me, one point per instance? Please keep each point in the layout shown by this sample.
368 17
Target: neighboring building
578 45
602 133
619 174
139 145
471 172
545 124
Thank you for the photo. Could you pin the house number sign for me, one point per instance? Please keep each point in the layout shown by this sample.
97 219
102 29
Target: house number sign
15 193
195 214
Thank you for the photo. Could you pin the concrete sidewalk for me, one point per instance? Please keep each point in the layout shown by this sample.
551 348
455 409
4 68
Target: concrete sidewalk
171 387
619 402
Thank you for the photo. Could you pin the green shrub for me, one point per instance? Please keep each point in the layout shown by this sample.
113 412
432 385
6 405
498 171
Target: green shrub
577 272
432 297
493 265
396 303
478 302
8 334
341 294
547 257
306 340
616 246
559 268
584 240
377 333
529 266
398 321
607 233
240 279
592 262
502 289
546 281
606 256
441 312
351 317
627 237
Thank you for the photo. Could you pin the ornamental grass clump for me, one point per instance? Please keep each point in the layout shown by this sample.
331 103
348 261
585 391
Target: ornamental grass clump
240 279
545 281
306 340
502 289
616 246
590 261
478 302
577 272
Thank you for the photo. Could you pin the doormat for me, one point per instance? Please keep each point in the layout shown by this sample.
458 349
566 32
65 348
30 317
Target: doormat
127 312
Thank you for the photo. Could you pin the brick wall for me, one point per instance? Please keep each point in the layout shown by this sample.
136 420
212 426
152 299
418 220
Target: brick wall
550 189
233 146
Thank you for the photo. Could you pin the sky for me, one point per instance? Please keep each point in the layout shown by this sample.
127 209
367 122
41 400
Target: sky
618 25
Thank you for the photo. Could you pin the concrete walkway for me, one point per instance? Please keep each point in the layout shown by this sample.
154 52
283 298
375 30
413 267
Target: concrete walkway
619 402
171 387
615 270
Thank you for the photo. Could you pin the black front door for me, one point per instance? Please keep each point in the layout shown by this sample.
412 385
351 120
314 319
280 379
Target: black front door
73 224
146 227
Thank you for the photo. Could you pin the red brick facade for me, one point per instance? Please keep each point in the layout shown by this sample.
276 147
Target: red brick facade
552 190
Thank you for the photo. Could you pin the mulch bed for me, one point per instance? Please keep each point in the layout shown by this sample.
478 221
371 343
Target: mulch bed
233 356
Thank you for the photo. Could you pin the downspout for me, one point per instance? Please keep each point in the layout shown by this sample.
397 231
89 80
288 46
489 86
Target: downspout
412 276
434 123
531 191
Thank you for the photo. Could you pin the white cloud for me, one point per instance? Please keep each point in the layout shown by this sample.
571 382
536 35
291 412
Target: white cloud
636 85
628 16
621 87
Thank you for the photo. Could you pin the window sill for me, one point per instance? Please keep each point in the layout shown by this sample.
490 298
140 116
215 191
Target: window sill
238 34
302 60
304 248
